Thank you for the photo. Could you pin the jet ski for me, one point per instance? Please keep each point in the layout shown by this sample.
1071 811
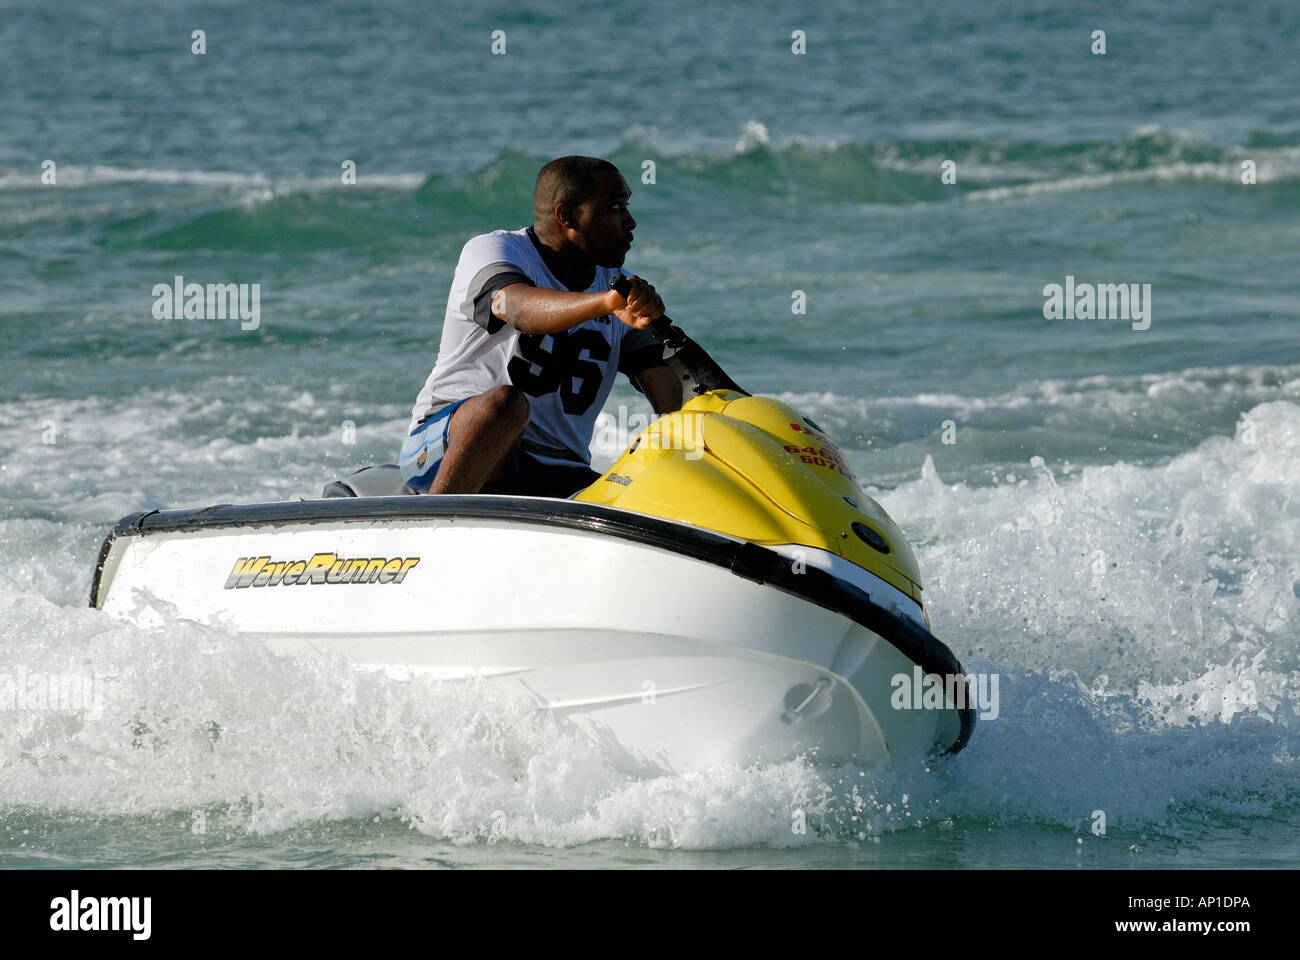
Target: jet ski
724 593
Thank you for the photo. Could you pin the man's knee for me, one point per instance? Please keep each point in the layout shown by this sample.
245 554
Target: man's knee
508 404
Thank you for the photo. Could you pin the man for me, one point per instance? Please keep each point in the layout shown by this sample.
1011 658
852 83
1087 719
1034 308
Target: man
532 340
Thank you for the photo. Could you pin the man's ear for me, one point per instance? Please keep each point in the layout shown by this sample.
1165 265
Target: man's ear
566 216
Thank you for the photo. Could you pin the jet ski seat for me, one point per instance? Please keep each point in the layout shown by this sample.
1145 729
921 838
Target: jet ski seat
381 480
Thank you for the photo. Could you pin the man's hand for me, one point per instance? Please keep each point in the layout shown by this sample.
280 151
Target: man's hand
641 305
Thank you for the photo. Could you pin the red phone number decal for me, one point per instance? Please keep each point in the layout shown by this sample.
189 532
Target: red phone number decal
827 455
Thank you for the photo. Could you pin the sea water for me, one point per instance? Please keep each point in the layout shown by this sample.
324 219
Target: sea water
1106 514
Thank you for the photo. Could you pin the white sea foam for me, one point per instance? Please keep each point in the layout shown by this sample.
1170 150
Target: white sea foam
1112 403
1159 679
1272 166
97 176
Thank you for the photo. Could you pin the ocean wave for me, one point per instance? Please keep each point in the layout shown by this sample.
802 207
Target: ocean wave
889 172
100 176
1153 572
1146 417
279 222
908 171
1273 169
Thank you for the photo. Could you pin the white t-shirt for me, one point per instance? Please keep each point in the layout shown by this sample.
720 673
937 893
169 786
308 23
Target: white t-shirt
567 376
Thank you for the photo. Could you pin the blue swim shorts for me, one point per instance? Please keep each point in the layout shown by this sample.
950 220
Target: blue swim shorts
424 449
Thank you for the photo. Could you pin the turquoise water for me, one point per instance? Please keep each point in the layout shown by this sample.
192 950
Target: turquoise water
1113 530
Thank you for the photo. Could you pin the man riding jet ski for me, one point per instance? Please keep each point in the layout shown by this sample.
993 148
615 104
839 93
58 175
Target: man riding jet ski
532 339
724 593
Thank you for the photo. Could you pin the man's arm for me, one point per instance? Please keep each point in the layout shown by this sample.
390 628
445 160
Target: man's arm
662 389
641 360
539 310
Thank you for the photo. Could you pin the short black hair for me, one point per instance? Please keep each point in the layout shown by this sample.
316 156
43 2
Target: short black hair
567 180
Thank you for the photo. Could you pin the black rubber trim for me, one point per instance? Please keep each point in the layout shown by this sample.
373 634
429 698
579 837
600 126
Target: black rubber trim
744 559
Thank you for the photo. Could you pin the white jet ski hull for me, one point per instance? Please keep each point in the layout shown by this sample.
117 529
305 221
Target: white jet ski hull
676 648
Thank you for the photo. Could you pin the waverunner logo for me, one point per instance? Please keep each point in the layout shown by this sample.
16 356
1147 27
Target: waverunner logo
321 568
